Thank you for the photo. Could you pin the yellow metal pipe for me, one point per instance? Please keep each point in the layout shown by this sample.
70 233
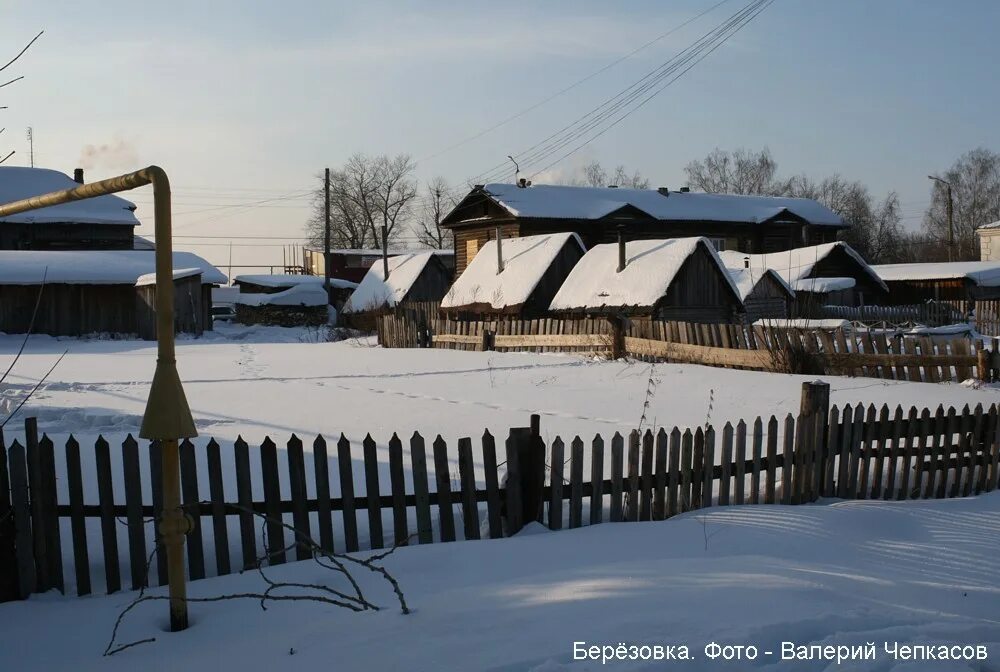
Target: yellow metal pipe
168 417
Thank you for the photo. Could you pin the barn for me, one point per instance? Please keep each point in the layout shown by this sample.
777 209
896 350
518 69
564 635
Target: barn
765 295
413 278
674 279
99 291
732 222
820 275
101 223
514 276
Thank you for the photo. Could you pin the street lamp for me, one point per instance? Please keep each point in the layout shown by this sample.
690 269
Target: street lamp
951 225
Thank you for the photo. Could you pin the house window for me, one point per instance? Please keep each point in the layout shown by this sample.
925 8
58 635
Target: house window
719 244
471 249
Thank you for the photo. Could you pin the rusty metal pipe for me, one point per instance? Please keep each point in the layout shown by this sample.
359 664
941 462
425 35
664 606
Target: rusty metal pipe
168 416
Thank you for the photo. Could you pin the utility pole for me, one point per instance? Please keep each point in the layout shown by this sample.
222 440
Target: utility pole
326 236
951 217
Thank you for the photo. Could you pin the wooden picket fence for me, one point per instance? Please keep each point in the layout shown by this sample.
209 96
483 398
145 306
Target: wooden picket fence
874 354
848 452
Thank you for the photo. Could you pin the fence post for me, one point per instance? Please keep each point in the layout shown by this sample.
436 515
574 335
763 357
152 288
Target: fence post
617 337
8 553
814 411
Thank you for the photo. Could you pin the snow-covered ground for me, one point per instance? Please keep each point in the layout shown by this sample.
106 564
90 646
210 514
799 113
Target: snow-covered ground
836 573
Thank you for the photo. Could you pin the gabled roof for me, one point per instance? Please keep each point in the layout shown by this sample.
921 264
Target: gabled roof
286 280
795 265
650 269
525 260
18 182
981 273
746 279
94 267
564 202
374 291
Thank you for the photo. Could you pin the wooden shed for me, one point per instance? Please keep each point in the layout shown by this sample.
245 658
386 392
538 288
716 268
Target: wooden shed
413 278
765 294
99 291
340 289
676 279
514 277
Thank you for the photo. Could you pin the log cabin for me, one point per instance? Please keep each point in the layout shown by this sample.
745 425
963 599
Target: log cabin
757 224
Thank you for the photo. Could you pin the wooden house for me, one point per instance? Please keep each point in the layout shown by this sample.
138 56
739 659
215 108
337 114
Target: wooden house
101 223
674 279
758 224
966 281
353 265
413 278
515 277
765 295
99 291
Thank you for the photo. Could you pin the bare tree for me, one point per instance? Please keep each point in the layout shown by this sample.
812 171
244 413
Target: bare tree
437 203
594 175
366 194
3 83
734 172
975 187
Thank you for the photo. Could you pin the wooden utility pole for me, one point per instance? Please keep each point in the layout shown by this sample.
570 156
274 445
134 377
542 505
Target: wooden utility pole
326 236
499 250
951 216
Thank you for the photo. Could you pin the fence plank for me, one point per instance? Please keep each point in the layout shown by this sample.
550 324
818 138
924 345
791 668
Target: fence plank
921 453
934 450
513 497
632 484
772 460
78 523
707 477
843 448
646 477
421 496
189 492
576 483
854 466
53 537
597 480
397 484
133 513
345 468
244 495
372 492
493 502
556 485
739 491
789 460
300 497
758 442
156 488
8 554
895 453
38 509
951 444
867 452
700 496
446 511
106 497
467 478
674 477
881 451
660 479
687 442
986 440
727 459
321 469
994 456
617 459
831 449
23 542
217 495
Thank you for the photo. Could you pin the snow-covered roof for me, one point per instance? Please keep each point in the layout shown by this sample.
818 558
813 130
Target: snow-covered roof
93 267
279 280
374 291
650 268
992 225
297 295
564 202
525 261
140 243
982 273
745 278
179 273
19 182
373 252
797 264
824 285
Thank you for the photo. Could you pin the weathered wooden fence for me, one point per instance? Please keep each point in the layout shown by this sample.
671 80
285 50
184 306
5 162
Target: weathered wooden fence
931 313
849 452
875 354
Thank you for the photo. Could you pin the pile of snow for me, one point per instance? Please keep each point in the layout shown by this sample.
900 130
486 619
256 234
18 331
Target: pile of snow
375 291
18 183
150 278
824 285
309 294
650 268
745 278
564 202
94 267
525 261
292 280
802 323
820 577
981 273
798 264
225 295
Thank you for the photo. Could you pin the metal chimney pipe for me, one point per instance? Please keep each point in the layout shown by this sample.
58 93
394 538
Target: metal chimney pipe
499 250
78 175
621 248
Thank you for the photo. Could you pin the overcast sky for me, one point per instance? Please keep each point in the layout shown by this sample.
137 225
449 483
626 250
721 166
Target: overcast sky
244 102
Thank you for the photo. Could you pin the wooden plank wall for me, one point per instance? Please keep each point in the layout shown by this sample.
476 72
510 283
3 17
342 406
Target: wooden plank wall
851 452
